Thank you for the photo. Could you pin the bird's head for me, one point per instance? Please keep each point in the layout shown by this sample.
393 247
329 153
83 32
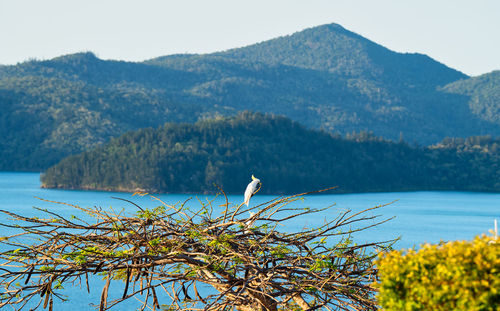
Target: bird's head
255 179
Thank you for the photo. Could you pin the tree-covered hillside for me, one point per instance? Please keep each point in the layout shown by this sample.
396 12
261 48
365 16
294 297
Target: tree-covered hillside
483 93
324 77
54 108
328 77
335 49
283 154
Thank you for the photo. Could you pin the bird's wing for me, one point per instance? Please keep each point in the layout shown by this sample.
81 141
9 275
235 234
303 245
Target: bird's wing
248 194
250 191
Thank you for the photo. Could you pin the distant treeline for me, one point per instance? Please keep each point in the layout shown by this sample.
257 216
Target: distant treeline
286 157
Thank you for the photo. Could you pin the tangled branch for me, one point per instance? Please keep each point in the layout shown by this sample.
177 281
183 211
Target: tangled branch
249 263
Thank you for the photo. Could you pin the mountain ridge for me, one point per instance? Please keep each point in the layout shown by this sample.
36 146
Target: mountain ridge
83 101
312 41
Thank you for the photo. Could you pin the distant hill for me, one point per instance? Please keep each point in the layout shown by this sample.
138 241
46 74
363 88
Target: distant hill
283 154
323 77
334 49
51 109
483 93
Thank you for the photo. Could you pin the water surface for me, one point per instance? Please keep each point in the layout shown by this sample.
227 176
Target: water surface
420 217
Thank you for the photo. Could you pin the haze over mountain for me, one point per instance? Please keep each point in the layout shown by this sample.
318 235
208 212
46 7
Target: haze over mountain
324 77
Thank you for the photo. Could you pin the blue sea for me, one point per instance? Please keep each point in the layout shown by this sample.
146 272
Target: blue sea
419 217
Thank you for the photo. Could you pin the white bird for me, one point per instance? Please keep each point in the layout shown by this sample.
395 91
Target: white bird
252 188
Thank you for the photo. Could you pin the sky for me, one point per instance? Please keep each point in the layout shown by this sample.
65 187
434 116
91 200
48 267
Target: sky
462 34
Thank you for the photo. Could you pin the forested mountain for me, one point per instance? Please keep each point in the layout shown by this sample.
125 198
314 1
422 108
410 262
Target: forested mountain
334 49
483 93
286 156
324 77
51 109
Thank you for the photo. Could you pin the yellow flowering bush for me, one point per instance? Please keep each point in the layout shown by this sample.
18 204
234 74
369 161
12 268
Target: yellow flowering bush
458 275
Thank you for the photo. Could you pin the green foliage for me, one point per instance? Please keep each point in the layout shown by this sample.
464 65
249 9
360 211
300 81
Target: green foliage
283 154
457 275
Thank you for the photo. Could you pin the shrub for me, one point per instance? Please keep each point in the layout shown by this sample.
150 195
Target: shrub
459 275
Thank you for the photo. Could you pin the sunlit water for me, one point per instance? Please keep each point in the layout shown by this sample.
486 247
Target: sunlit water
420 217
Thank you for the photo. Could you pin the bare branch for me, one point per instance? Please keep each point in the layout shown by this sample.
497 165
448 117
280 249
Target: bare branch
248 262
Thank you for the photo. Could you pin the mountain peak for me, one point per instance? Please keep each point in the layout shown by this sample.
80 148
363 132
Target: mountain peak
332 27
321 47
334 49
80 57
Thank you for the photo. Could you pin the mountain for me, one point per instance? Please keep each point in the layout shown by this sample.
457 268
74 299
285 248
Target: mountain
334 49
323 77
51 109
286 156
483 93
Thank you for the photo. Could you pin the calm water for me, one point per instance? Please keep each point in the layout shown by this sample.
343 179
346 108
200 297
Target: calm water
420 216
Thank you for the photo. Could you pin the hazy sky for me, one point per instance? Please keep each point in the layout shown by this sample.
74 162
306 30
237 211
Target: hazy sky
463 34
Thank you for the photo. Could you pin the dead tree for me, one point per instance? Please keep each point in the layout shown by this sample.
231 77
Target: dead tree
245 257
